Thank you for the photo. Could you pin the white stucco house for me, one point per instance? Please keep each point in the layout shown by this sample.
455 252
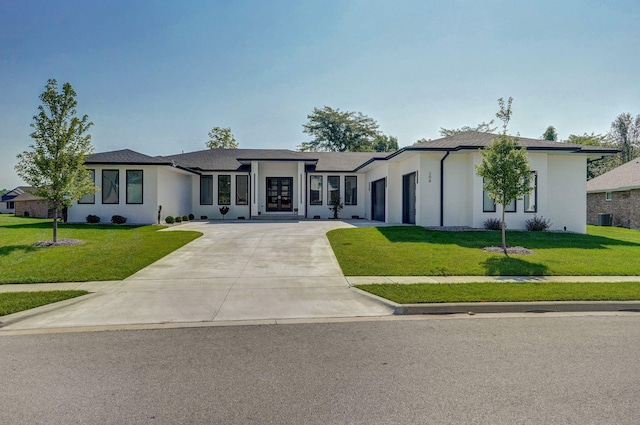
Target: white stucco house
428 184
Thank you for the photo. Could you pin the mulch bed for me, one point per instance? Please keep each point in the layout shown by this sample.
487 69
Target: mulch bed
510 250
60 242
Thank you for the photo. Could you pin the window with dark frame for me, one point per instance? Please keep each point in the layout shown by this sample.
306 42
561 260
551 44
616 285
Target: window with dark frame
510 207
90 198
333 188
488 204
531 199
224 189
315 190
608 196
134 186
110 186
206 190
242 190
351 190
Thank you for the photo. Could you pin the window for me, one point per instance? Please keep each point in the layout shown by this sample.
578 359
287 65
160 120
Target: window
315 190
110 186
242 190
510 207
206 190
91 198
488 205
531 200
351 190
333 188
11 205
224 190
608 196
134 186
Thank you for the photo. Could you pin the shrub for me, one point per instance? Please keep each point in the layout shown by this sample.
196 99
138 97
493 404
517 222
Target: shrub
493 224
185 218
224 210
118 219
92 219
192 217
178 219
169 219
537 224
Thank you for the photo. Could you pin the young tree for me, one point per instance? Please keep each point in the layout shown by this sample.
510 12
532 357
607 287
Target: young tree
550 134
505 168
337 131
55 164
221 138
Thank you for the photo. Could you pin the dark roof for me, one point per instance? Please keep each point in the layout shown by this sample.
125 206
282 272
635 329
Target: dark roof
126 156
343 161
232 159
476 140
15 192
624 177
26 196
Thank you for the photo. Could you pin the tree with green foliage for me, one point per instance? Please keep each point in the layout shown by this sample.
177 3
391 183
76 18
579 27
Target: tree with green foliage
550 134
337 131
221 138
598 166
54 166
384 143
3 191
483 127
505 167
625 134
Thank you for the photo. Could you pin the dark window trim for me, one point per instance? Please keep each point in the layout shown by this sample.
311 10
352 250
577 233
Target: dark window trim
93 194
11 205
535 195
329 188
515 207
141 187
311 177
206 177
220 193
354 200
118 189
245 176
483 196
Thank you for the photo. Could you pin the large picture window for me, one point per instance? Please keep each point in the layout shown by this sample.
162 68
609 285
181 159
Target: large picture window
134 186
488 205
531 200
333 188
90 198
110 186
510 207
315 190
351 190
224 190
242 190
206 190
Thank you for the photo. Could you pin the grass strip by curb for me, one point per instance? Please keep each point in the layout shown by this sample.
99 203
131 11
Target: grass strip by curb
14 302
505 292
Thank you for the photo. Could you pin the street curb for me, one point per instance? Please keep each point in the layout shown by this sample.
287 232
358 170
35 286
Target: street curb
22 315
515 307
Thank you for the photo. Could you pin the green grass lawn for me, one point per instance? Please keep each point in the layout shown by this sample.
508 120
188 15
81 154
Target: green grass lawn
13 302
506 291
415 251
109 253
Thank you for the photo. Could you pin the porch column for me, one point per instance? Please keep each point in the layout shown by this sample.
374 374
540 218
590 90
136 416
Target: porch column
255 185
302 190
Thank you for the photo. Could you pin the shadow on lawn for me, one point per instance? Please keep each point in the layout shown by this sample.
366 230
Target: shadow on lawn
509 266
75 226
6 250
482 238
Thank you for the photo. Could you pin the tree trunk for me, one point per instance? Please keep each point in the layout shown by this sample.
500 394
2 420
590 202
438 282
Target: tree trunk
55 224
504 238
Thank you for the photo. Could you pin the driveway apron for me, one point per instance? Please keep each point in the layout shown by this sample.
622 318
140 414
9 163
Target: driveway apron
252 270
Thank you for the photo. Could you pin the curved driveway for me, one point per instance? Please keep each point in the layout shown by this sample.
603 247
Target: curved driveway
252 270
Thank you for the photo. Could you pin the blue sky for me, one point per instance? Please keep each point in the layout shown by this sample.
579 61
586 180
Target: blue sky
156 76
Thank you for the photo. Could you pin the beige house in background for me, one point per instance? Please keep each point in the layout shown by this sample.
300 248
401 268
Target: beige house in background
615 195
28 205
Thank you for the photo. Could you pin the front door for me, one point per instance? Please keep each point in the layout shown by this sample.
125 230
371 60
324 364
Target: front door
378 201
409 198
279 194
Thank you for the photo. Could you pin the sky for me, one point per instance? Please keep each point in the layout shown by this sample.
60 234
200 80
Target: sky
156 76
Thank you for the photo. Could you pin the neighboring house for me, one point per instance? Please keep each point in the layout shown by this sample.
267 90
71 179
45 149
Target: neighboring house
28 205
617 193
429 184
7 203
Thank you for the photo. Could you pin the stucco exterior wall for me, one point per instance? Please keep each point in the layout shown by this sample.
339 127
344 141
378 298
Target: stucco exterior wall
213 211
349 210
624 207
174 188
378 173
458 199
567 193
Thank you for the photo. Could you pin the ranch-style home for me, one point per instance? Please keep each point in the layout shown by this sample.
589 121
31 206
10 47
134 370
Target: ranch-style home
428 184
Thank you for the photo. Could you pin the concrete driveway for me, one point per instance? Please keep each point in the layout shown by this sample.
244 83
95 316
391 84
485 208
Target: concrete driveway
235 271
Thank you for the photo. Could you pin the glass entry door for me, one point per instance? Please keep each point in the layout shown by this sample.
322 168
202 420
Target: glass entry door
279 193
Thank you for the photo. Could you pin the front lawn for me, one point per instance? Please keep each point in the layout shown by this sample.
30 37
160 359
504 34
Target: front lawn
415 251
13 302
506 292
110 252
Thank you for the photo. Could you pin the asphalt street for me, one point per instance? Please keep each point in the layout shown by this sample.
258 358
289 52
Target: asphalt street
546 369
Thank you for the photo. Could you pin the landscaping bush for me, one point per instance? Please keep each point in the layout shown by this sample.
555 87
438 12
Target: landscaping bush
537 224
493 224
192 217
169 219
118 219
178 219
93 219
185 218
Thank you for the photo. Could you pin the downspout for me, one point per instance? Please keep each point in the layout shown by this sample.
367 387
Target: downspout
442 188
